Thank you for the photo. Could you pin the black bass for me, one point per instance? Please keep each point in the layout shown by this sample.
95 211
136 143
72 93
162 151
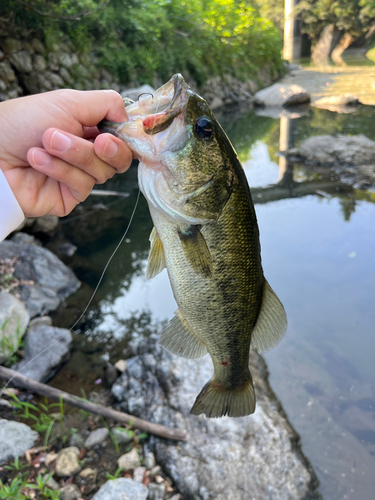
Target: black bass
206 235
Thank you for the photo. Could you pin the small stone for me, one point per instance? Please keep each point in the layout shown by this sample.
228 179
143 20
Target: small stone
15 439
67 462
46 224
159 479
129 460
122 435
87 472
50 457
111 374
38 46
77 440
120 365
70 492
155 471
39 63
96 437
51 483
156 491
149 461
122 488
22 61
176 497
138 474
40 320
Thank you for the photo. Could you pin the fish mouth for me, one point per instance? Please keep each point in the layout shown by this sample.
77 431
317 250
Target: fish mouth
149 129
157 111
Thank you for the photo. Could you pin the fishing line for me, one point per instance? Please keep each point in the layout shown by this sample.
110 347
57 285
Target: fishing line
92 296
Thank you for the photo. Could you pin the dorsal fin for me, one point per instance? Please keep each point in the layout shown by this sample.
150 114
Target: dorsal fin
156 258
272 322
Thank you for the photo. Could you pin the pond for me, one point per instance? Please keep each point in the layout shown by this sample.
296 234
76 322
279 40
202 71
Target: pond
318 241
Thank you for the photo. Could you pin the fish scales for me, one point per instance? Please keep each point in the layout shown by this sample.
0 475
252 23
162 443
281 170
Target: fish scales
206 235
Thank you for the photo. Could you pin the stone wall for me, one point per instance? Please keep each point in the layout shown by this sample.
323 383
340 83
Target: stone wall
28 67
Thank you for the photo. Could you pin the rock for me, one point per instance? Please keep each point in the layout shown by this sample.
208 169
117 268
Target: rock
133 94
46 224
68 60
96 437
263 447
149 461
129 461
70 492
327 149
122 435
122 489
38 46
15 439
39 321
26 239
22 61
6 72
120 365
216 103
280 94
155 471
156 491
53 280
345 103
111 374
46 348
87 472
11 45
51 483
13 323
66 250
67 462
279 111
138 474
77 440
65 75
39 63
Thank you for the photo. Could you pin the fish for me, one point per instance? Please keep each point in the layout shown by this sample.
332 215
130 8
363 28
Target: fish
206 235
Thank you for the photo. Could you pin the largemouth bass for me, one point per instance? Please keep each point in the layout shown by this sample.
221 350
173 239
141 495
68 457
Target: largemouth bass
206 235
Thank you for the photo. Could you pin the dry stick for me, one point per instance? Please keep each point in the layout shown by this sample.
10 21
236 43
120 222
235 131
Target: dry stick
45 390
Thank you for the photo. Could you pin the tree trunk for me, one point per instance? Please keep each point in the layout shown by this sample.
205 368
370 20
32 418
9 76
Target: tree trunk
320 52
343 44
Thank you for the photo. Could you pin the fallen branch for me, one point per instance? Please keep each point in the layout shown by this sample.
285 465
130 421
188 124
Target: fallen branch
46 390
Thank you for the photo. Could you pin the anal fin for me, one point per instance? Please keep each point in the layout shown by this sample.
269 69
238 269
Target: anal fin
196 250
156 258
271 324
179 339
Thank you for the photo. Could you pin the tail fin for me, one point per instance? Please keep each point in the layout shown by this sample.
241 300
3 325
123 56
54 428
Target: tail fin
216 400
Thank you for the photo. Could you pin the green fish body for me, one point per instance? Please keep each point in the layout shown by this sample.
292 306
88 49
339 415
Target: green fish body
206 235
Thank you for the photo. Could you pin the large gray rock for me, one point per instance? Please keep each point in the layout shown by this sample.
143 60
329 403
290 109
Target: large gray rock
53 280
122 489
223 458
281 94
15 439
13 323
46 348
356 149
133 94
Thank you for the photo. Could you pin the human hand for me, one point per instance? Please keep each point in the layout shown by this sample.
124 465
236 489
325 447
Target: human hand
49 169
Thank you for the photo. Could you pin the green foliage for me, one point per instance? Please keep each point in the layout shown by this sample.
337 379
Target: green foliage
115 475
10 343
12 490
138 40
274 11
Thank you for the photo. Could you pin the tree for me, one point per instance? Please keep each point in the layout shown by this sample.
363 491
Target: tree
322 18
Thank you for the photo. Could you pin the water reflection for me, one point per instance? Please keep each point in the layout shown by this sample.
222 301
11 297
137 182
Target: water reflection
317 238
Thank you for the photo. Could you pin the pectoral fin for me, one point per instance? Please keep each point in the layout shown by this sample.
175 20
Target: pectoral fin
179 339
271 324
196 250
156 258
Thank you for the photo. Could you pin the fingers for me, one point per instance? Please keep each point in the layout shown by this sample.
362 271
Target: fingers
76 180
100 160
91 106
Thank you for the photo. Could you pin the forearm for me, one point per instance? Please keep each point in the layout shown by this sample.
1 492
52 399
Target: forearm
11 215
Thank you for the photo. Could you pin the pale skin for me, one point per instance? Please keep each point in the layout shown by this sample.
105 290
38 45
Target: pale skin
51 152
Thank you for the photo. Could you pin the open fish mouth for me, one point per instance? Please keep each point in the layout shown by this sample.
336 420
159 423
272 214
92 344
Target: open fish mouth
149 129
158 110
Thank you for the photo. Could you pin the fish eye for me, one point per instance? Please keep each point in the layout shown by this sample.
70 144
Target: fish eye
203 127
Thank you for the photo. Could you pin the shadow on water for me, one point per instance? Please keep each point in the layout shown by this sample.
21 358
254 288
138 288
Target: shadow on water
317 239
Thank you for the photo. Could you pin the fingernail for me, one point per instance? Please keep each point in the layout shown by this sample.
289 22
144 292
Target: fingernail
41 158
60 142
110 149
